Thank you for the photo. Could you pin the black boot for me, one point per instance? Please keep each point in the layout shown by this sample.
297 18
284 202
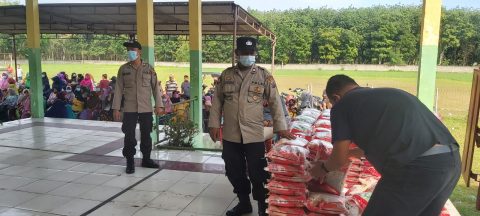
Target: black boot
130 166
262 208
149 163
243 207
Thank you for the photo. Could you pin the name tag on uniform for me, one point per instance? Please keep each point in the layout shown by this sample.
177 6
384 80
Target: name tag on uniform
229 80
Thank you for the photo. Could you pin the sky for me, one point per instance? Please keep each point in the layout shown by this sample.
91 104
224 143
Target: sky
289 4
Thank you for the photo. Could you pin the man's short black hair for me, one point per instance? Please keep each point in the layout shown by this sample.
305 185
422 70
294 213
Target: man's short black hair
336 83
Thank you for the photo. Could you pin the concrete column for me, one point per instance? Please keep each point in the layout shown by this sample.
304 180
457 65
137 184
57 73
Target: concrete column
432 10
34 58
195 30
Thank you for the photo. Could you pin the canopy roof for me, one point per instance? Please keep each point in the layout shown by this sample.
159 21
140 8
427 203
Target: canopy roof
171 18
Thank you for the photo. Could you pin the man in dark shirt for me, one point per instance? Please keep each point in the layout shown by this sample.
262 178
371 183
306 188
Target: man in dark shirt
415 153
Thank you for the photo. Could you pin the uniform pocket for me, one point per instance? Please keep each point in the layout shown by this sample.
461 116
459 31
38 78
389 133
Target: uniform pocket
255 93
128 81
146 79
228 90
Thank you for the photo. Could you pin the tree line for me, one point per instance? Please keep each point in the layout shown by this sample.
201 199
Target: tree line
374 35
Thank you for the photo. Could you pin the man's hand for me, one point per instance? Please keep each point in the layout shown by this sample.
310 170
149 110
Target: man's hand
158 111
286 134
116 115
214 134
317 172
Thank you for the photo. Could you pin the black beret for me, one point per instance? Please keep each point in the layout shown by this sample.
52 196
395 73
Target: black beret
133 44
246 43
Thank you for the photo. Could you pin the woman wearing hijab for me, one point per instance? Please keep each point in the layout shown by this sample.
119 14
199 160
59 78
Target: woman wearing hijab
87 82
7 105
175 97
12 84
46 85
58 108
24 105
63 76
80 78
26 81
74 78
58 83
113 82
70 95
52 98
4 81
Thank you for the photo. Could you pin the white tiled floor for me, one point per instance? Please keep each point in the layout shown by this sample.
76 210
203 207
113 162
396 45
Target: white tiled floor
36 180
44 203
75 207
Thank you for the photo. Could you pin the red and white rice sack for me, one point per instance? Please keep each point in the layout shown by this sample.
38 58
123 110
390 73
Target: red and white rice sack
286 170
286 201
356 204
319 150
323 123
332 183
326 203
301 127
288 154
314 113
283 211
286 188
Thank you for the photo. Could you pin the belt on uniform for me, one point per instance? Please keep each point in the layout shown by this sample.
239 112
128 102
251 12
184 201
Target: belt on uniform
439 149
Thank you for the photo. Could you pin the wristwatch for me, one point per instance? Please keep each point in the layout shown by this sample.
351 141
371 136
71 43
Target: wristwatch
324 168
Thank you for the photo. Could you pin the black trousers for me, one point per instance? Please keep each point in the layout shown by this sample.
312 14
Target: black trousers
238 158
128 127
420 188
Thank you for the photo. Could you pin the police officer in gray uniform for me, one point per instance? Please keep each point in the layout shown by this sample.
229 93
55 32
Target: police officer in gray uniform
239 97
136 84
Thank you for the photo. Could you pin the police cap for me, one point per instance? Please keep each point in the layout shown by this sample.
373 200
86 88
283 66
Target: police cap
246 44
133 44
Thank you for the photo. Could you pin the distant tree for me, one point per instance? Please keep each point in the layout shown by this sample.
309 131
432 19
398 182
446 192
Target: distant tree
373 35
9 2
182 54
329 44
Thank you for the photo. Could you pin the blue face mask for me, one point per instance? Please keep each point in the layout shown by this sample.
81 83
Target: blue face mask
247 61
132 55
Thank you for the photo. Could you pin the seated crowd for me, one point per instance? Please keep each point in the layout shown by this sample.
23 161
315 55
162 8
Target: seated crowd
79 97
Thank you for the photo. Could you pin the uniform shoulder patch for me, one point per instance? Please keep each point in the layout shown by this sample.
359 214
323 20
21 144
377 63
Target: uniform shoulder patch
270 80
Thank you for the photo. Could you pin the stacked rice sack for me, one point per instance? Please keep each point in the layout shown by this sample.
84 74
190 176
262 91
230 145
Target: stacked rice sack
359 185
287 189
325 198
288 166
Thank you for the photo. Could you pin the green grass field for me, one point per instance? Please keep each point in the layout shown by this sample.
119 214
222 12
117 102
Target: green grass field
453 100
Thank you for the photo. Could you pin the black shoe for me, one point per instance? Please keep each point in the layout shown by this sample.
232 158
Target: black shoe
149 163
240 209
130 166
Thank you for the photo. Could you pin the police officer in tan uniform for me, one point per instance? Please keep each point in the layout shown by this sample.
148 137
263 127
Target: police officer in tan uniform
136 84
239 98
